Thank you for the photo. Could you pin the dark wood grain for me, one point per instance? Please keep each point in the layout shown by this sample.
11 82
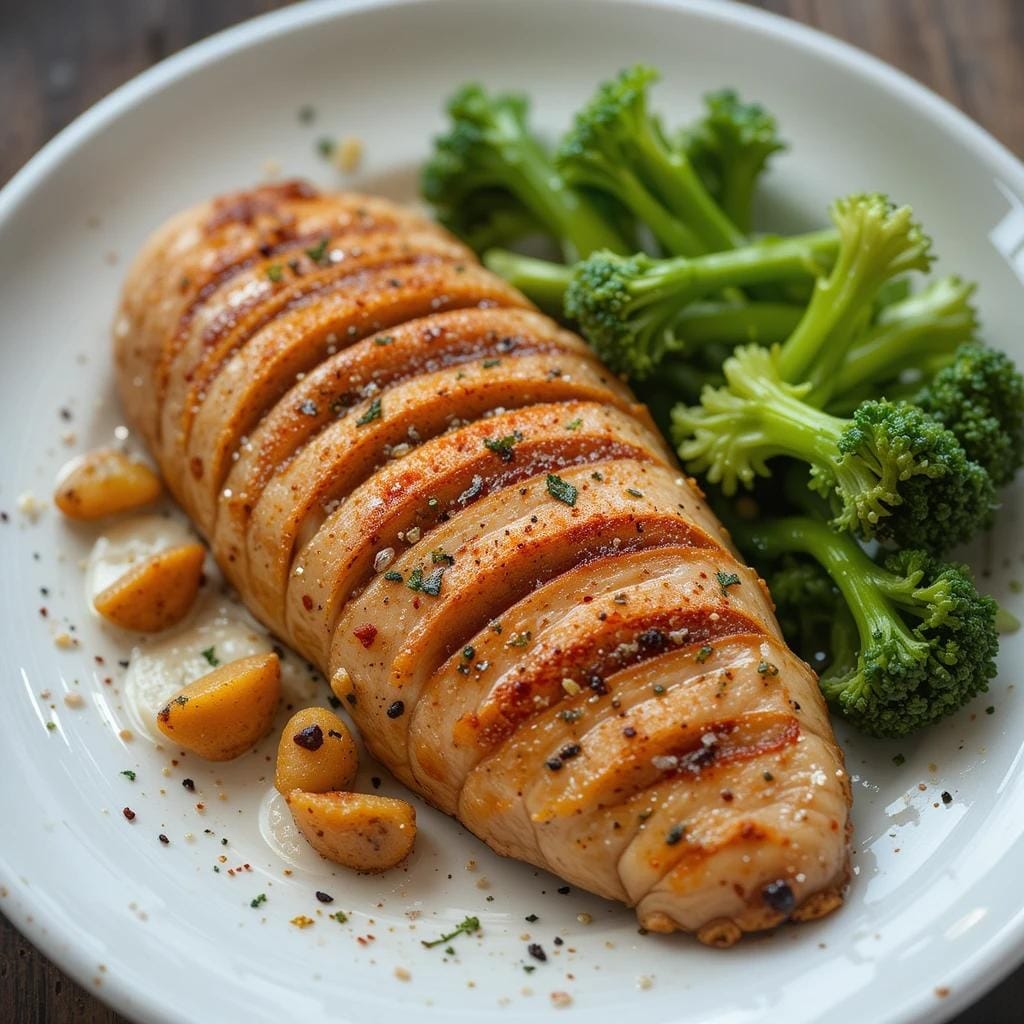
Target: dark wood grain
57 57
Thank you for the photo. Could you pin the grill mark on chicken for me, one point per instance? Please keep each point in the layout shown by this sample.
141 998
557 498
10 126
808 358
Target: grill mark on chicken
620 643
221 348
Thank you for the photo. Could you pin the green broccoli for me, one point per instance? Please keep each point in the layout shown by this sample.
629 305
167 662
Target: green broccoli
490 181
980 398
541 281
630 308
915 332
927 638
617 147
890 472
729 147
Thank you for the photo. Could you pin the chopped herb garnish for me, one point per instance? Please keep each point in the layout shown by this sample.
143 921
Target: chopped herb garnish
468 651
275 272
502 446
318 253
450 950
430 584
210 654
898 760
675 833
489 364
129 774
467 927
634 493
571 714
767 668
374 412
325 146
659 689
518 639
596 475
262 898
704 653
494 626
560 490
439 557
383 339
574 424
339 915
727 580
529 968
394 576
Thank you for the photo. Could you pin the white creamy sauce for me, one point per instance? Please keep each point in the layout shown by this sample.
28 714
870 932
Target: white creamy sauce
161 664
282 835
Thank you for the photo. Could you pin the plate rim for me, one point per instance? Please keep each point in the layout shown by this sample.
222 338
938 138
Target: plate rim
994 960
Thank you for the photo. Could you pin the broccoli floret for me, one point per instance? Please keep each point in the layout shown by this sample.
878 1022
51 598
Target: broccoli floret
729 147
912 334
890 472
630 308
490 179
980 398
616 146
927 638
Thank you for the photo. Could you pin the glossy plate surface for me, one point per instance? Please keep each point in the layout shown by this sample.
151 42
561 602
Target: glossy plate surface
935 909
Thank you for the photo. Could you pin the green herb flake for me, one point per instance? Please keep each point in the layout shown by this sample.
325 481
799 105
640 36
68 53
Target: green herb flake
468 652
502 446
129 774
393 576
258 901
767 668
570 715
727 580
383 339
659 689
704 653
574 424
339 915
518 639
489 364
275 272
325 146
898 760
466 927
634 493
374 412
529 968
596 475
990 710
494 626
439 557
429 584
318 253
210 654
560 490
51 726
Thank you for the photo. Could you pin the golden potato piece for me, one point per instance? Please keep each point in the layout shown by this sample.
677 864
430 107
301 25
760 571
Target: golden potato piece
103 483
356 830
156 593
222 715
316 753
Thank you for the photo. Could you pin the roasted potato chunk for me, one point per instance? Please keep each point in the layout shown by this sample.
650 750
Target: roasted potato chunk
316 753
356 830
224 713
103 483
155 594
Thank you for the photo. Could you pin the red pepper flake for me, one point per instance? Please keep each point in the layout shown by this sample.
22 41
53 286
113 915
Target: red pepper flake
365 634
307 602
129 813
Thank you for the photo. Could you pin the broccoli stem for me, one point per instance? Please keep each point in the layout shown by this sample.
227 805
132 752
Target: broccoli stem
680 280
564 212
866 587
542 281
907 334
764 323
682 191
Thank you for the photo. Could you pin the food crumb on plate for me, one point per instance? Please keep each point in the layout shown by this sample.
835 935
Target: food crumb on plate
403 974
561 999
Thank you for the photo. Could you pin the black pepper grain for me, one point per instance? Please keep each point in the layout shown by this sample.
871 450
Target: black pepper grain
396 709
536 950
310 738
947 797
189 785
324 897
779 896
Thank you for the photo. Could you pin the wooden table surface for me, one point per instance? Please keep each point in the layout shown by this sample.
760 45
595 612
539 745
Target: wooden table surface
59 57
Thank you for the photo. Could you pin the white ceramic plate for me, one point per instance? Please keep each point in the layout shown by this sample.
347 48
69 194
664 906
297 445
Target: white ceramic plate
935 909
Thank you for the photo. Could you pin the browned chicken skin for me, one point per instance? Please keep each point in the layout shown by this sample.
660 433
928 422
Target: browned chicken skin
445 501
